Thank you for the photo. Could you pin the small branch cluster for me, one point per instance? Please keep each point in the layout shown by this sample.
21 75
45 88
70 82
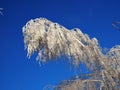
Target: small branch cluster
1 9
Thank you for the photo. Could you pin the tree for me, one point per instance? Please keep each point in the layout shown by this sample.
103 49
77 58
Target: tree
52 40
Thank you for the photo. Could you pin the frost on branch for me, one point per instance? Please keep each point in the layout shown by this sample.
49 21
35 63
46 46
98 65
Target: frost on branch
51 40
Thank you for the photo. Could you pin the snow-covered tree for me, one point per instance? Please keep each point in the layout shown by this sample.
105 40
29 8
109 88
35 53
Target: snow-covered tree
51 40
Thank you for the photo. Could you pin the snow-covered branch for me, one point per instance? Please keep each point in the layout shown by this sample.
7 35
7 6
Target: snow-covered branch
51 40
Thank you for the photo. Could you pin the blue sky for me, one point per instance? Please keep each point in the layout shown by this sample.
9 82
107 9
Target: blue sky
93 17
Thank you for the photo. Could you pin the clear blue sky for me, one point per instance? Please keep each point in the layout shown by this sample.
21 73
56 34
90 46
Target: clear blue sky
93 17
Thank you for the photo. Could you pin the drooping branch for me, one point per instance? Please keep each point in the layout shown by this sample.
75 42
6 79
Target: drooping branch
51 40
